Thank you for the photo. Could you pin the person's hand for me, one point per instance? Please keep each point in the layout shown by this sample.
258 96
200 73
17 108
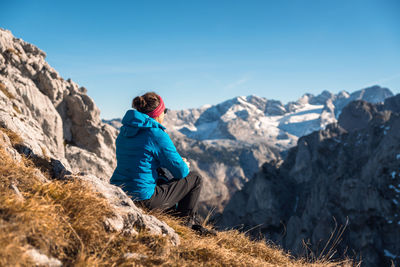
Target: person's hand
187 162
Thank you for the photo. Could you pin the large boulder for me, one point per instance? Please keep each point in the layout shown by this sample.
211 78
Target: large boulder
126 216
55 117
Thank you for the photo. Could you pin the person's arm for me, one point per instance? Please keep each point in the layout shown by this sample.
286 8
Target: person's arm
167 155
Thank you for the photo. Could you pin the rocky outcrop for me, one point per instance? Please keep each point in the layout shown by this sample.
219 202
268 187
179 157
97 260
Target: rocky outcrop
127 217
345 172
358 114
55 117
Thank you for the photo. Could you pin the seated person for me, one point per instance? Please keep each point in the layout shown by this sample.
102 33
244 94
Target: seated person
143 148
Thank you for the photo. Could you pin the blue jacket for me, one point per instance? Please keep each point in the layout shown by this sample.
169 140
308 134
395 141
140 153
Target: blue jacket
142 147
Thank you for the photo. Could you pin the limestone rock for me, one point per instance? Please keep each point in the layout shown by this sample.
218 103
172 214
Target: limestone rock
392 104
87 162
52 115
41 259
357 115
126 215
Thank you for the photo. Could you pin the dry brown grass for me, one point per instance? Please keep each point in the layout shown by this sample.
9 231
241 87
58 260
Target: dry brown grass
14 137
42 163
58 218
44 153
232 248
3 88
65 220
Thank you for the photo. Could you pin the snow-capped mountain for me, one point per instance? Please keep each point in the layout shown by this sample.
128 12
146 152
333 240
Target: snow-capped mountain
228 142
254 119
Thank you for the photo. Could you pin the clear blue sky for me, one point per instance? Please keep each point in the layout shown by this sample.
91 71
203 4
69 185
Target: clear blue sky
203 52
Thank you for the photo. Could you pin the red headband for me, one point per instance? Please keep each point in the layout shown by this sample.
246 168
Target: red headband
160 109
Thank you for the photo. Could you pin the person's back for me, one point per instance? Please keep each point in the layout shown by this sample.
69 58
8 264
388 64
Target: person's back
139 155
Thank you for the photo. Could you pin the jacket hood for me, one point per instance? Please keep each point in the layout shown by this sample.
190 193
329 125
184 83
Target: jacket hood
133 121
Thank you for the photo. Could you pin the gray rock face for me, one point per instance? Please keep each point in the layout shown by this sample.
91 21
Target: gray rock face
93 163
340 173
392 104
357 115
54 116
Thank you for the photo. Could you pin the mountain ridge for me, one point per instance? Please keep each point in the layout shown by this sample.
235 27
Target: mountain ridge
348 170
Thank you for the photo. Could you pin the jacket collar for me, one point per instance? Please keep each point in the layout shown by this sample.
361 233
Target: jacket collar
136 119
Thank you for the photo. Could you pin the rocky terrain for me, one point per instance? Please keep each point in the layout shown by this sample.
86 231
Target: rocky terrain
344 176
55 117
228 142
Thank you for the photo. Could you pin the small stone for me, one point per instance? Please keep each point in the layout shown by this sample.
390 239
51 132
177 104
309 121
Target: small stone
138 256
42 259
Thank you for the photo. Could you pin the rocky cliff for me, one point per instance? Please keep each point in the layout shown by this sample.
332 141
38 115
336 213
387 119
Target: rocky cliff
348 171
55 117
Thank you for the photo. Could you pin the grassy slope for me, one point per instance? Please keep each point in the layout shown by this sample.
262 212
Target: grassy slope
64 220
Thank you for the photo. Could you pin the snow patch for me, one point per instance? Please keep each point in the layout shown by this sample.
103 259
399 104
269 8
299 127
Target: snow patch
190 127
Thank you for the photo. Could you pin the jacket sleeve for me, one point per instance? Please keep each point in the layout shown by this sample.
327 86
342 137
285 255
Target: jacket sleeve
165 152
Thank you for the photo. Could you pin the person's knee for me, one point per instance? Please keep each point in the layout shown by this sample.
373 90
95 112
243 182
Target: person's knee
199 179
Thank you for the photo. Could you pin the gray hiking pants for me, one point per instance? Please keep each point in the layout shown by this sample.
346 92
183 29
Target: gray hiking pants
183 192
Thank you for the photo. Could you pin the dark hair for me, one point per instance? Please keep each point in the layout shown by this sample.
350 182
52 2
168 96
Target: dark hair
146 103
